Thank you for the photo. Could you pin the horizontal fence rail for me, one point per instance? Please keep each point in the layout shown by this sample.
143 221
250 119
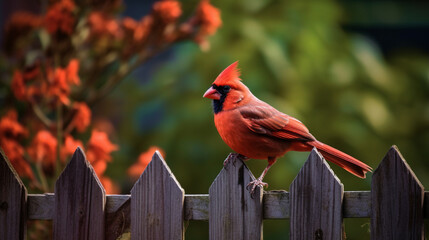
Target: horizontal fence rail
158 206
356 204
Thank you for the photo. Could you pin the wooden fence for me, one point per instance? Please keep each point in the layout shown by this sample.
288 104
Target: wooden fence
158 206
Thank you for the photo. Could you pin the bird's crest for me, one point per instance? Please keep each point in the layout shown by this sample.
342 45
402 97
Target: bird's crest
229 75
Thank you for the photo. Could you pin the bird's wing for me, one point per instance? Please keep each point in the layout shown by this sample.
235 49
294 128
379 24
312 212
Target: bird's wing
266 120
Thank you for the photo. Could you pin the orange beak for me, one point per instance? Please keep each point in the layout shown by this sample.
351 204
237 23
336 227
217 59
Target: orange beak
212 94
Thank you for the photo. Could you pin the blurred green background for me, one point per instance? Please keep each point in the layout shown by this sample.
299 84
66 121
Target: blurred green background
355 72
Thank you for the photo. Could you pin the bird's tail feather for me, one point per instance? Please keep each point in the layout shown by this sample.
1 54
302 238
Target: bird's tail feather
343 160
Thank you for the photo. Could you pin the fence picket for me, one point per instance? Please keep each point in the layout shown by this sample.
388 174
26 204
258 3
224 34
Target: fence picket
79 201
233 212
397 200
157 203
316 196
13 202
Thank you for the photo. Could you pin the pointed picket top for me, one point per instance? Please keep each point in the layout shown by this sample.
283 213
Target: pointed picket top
13 202
316 197
79 201
397 200
234 213
157 203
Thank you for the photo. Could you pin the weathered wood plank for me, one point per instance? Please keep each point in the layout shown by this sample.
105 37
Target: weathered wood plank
42 206
316 197
397 200
13 202
115 201
197 207
276 205
118 220
234 212
79 201
356 204
157 203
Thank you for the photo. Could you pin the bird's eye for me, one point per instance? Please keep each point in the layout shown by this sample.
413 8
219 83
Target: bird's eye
226 88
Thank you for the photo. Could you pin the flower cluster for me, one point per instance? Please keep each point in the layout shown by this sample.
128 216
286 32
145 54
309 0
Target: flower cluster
168 10
98 154
65 60
60 17
42 150
52 84
102 24
68 58
10 133
153 31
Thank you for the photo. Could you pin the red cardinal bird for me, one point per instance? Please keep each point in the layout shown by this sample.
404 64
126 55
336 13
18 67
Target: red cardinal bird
254 129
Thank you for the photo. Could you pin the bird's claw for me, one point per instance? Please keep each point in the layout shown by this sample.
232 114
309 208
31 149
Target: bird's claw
253 184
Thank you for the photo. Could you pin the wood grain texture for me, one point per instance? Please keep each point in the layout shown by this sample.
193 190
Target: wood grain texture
157 203
116 201
197 207
356 204
79 201
234 212
276 205
13 202
397 200
316 197
118 221
42 206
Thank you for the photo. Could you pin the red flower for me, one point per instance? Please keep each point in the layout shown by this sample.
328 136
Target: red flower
99 147
109 185
10 131
10 127
60 17
98 154
72 71
102 24
82 117
18 86
70 146
60 80
143 160
167 10
142 29
58 86
129 24
15 153
43 148
99 167
96 21
27 85
137 31
209 18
